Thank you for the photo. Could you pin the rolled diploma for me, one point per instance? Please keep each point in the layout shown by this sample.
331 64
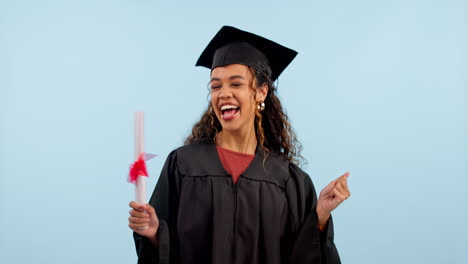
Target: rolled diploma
140 187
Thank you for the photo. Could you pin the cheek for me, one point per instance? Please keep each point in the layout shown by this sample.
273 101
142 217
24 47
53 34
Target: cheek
214 103
247 97
250 103
213 97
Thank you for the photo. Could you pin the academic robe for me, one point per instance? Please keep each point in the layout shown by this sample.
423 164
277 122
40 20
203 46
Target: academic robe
268 217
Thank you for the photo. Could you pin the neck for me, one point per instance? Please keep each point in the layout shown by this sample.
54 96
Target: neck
239 141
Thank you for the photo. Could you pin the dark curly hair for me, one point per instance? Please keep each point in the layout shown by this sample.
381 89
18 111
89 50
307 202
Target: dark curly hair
272 127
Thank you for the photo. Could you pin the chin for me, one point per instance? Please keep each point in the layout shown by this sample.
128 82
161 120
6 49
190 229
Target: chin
231 128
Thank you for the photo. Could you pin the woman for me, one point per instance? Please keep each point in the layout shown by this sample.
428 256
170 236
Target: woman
234 192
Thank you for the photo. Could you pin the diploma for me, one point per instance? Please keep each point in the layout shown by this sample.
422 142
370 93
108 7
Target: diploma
141 174
138 172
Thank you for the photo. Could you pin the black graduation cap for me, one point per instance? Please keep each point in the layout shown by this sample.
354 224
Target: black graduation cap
234 46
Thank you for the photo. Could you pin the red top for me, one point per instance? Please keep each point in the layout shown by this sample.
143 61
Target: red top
234 162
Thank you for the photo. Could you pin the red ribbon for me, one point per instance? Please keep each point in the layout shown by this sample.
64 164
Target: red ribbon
138 169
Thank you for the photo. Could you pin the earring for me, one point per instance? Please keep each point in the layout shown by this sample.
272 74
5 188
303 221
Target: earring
261 106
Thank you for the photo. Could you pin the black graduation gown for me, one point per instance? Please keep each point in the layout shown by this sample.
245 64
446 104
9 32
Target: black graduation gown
267 217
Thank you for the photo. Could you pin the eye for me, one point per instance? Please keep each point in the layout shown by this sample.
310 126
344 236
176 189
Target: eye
236 84
215 86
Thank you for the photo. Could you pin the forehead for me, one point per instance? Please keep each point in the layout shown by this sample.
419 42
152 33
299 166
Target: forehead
227 71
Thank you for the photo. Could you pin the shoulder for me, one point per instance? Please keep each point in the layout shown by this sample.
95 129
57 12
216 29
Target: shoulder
295 170
273 167
289 170
195 148
299 177
197 159
195 153
276 164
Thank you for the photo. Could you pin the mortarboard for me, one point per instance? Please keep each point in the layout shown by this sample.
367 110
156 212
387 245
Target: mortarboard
234 46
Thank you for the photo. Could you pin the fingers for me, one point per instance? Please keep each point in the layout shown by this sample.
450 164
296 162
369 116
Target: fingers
341 189
333 195
151 212
339 196
136 223
327 190
137 206
342 178
135 227
143 219
346 175
144 211
341 186
136 213
138 220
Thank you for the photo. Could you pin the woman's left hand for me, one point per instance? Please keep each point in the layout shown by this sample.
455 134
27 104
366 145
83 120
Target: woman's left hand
332 196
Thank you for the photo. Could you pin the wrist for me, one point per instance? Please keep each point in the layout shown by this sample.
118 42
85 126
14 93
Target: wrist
154 239
322 217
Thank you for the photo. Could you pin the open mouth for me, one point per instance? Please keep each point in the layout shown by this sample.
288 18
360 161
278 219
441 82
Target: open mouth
229 111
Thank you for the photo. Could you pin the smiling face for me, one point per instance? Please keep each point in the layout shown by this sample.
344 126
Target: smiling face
233 98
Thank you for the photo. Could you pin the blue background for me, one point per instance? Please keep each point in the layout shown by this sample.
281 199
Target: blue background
378 89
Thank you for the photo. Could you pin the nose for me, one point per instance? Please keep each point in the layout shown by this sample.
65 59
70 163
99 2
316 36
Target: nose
224 93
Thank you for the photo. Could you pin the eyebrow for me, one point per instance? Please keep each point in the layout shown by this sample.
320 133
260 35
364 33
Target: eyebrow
230 78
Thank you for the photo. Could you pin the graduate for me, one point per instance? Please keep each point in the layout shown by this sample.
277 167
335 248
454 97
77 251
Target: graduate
234 193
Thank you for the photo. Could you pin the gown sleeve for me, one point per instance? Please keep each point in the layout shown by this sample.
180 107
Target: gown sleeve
165 200
308 244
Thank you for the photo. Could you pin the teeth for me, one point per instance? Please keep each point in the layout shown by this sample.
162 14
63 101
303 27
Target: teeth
227 107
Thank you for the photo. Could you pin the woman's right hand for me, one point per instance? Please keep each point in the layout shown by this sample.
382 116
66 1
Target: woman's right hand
143 220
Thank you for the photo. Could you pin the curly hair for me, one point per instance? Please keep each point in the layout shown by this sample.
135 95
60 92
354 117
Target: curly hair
272 127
